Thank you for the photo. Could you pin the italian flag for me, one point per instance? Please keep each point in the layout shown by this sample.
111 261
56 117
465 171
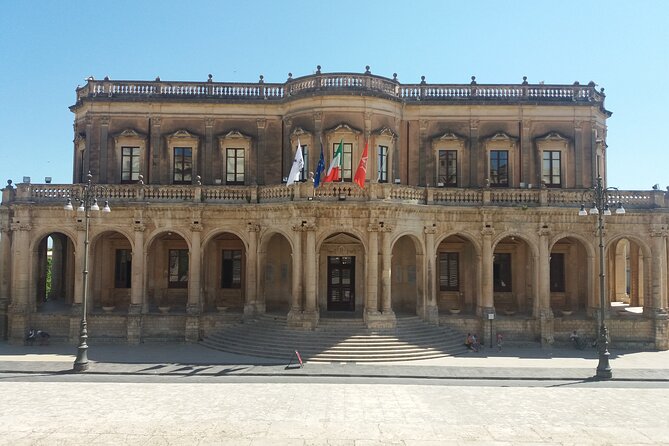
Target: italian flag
334 171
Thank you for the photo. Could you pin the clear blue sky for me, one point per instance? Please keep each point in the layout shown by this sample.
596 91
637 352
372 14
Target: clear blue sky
47 48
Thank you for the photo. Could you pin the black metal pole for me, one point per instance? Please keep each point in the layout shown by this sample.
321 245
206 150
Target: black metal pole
603 368
81 361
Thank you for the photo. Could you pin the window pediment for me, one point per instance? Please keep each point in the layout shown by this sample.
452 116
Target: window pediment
182 136
129 134
299 132
234 135
502 137
344 128
387 132
553 139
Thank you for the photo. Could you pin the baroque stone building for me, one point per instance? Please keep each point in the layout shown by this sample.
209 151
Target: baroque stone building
469 212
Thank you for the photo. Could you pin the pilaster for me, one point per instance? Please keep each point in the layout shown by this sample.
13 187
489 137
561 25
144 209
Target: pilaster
372 277
208 152
155 172
251 305
137 280
103 176
487 301
258 174
430 310
294 315
475 155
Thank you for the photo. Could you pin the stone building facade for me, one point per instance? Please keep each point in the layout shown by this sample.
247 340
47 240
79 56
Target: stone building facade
469 212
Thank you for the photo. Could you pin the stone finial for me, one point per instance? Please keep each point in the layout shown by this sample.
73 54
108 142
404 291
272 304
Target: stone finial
106 78
591 84
367 70
577 83
290 76
473 82
318 69
210 78
601 91
261 81
140 179
157 78
9 184
90 78
422 80
524 80
395 77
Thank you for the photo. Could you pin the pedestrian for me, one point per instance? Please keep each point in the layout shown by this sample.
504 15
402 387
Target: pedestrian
500 339
475 343
469 341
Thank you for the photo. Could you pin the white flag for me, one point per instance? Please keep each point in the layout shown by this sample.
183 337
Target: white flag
298 165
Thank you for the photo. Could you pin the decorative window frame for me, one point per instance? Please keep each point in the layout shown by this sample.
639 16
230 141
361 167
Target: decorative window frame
129 138
235 139
349 135
555 142
502 141
382 137
183 138
449 141
306 139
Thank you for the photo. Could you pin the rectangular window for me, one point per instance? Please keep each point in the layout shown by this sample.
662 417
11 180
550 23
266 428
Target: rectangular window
122 268
178 268
183 165
557 273
449 271
382 167
231 269
499 168
347 160
304 173
129 164
234 168
501 272
448 168
550 169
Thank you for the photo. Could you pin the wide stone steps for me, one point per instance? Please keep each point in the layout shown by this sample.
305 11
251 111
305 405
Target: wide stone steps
338 340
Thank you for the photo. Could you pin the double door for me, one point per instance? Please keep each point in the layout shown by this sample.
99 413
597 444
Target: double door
341 283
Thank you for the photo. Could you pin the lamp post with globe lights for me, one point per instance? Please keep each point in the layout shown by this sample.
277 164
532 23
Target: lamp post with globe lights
87 202
601 197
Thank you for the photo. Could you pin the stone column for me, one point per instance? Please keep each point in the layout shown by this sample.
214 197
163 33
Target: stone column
431 311
542 308
104 176
487 302
371 300
207 157
194 305
311 305
620 291
137 290
79 253
296 296
155 145
658 271
386 270
5 280
19 308
634 275
251 304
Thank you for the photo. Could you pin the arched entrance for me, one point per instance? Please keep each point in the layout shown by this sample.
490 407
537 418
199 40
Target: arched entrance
458 285
513 273
407 276
276 273
570 275
224 269
110 271
342 267
625 273
167 273
54 273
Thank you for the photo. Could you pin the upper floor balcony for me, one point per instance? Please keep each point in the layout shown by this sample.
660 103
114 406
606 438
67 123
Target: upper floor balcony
132 194
342 84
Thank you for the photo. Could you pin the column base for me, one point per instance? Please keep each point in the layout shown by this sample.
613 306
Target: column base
547 327
661 330
253 309
376 320
192 328
17 327
432 314
134 325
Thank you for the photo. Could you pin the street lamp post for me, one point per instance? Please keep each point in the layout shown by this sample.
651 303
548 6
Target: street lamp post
87 202
600 207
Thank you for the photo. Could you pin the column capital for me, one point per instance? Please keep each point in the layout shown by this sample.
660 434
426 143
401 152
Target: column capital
487 232
318 116
209 122
139 227
373 227
20 226
429 229
253 227
659 232
578 125
104 120
261 123
196 227
543 232
474 124
156 120
527 124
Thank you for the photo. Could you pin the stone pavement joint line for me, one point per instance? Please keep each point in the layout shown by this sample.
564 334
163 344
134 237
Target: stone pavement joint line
528 363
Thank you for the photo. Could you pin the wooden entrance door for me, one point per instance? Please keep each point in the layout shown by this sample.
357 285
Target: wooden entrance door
341 283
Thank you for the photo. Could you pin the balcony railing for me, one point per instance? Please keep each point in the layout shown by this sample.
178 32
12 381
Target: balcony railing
328 192
342 83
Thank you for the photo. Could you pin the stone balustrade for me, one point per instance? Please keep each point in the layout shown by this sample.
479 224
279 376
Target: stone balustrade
398 193
341 83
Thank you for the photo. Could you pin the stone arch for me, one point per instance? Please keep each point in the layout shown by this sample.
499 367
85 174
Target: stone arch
515 287
571 274
224 267
341 271
458 273
407 274
628 271
53 272
275 275
353 232
110 270
167 270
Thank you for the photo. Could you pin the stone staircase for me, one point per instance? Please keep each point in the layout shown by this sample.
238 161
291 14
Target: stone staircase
338 340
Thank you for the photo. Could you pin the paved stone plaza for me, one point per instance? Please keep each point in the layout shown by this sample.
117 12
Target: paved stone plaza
274 414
